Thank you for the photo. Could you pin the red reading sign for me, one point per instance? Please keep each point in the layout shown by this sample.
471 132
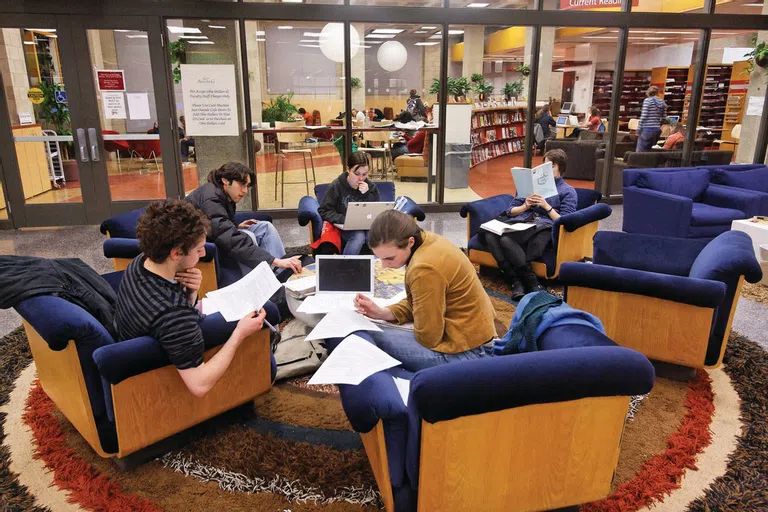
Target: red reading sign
111 80
570 5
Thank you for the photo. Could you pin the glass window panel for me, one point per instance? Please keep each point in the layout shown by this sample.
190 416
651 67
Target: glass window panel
493 4
399 3
212 46
741 7
3 205
485 126
295 83
671 6
29 61
306 2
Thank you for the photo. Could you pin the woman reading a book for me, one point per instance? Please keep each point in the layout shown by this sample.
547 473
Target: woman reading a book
451 313
514 251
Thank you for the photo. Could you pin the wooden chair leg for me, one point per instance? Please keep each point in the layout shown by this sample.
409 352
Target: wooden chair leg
282 184
312 162
306 175
277 159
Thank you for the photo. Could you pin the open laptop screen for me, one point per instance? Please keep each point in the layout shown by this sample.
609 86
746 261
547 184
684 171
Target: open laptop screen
345 274
562 120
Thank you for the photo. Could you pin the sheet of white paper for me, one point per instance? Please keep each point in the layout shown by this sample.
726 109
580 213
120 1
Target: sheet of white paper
138 105
382 303
544 180
352 362
338 324
755 105
325 303
209 306
113 105
404 387
301 284
246 295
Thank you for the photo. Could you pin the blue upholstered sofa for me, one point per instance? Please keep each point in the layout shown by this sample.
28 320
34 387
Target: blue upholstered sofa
571 234
308 207
747 178
114 393
218 271
671 299
532 431
682 203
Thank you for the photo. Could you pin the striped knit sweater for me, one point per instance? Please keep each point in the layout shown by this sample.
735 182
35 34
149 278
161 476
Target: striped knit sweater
654 110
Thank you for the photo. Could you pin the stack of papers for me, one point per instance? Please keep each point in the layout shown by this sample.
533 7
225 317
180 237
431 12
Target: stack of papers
339 324
301 287
353 361
246 295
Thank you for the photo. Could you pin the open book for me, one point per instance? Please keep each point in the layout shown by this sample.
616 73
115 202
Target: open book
539 180
499 228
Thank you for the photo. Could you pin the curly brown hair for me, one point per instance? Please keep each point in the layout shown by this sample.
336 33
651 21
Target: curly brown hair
168 224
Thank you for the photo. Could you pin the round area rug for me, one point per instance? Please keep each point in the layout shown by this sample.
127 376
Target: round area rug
684 447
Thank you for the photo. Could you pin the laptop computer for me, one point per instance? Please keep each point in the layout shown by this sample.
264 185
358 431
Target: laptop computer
339 279
673 119
360 216
562 120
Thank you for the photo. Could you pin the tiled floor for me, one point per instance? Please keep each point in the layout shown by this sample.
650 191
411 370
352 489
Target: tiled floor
85 242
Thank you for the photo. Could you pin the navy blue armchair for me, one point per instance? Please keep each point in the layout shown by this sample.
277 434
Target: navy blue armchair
747 179
571 234
681 204
308 207
470 437
671 299
114 393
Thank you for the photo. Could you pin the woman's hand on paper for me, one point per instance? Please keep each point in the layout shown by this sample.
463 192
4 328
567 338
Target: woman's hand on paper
365 306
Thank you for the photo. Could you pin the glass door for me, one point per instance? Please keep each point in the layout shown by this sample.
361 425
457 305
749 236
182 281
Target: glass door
91 128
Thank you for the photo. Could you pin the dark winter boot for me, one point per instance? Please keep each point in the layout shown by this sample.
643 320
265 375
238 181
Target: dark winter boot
511 277
529 279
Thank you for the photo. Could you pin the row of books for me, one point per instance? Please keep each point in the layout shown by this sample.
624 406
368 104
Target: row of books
494 134
496 118
503 148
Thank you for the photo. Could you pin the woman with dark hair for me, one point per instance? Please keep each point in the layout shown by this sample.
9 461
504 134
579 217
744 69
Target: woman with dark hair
249 242
592 124
514 251
451 313
351 185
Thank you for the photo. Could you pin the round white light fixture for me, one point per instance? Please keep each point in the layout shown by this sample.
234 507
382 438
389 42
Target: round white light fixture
332 41
392 55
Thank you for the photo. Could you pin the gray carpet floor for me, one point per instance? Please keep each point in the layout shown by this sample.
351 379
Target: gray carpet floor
85 242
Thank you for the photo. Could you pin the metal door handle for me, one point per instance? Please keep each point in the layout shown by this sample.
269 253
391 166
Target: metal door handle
94 140
81 143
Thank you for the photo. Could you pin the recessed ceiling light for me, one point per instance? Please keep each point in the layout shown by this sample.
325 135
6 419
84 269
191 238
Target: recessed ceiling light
436 36
216 26
429 28
260 33
451 33
142 36
285 27
52 36
182 30
29 42
477 5
190 37
599 37
310 45
206 21
42 29
364 46
118 30
425 44
387 30
380 36
259 40
374 42
753 5
201 42
725 33
421 32
292 1
312 34
665 32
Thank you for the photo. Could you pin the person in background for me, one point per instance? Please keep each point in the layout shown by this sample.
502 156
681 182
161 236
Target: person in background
451 313
592 124
378 115
676 134
352 185
649 126
546 121
514 251
185 142
415 106
414 141
158 294
358 117
307 116
249 242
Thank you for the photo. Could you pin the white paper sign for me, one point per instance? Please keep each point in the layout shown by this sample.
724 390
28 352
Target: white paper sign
26 118
138 105
755 105
210 99
113 104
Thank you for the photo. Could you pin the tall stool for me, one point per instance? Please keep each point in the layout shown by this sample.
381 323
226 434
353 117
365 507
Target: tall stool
280 154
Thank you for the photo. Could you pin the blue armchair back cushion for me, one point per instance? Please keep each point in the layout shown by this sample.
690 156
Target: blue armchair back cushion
754 179
691 183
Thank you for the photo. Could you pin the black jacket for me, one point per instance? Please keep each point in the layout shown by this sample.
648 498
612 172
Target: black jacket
232 242
24 277
334 206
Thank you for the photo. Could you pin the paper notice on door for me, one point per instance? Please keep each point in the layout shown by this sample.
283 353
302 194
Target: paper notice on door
138 105
210 99
113 105
755 105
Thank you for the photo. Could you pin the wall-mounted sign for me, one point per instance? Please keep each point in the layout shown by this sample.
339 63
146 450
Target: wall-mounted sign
26 118
113 105
210 99
111 80
35 95
61 96
570 5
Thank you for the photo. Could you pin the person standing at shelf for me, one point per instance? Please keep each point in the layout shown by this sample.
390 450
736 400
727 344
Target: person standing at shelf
649 126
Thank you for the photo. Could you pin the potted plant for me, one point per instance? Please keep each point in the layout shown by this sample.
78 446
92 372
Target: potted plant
278 109
512 89
758 55
484 90
458 88
178 51
524 69
476 77
57 115
355 83
435 88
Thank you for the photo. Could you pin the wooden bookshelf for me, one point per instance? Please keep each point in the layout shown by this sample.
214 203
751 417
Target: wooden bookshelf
714 98
497 131
603 91
672 82
737 97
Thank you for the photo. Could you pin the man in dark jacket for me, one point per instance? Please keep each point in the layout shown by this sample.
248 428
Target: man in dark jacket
415 106
251 241
352 185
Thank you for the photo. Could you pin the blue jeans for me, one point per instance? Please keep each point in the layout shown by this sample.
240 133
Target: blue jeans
647 139
353 241
403 346
265 235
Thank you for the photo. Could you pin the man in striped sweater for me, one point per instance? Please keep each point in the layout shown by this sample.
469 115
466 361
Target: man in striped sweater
649 126
158 294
